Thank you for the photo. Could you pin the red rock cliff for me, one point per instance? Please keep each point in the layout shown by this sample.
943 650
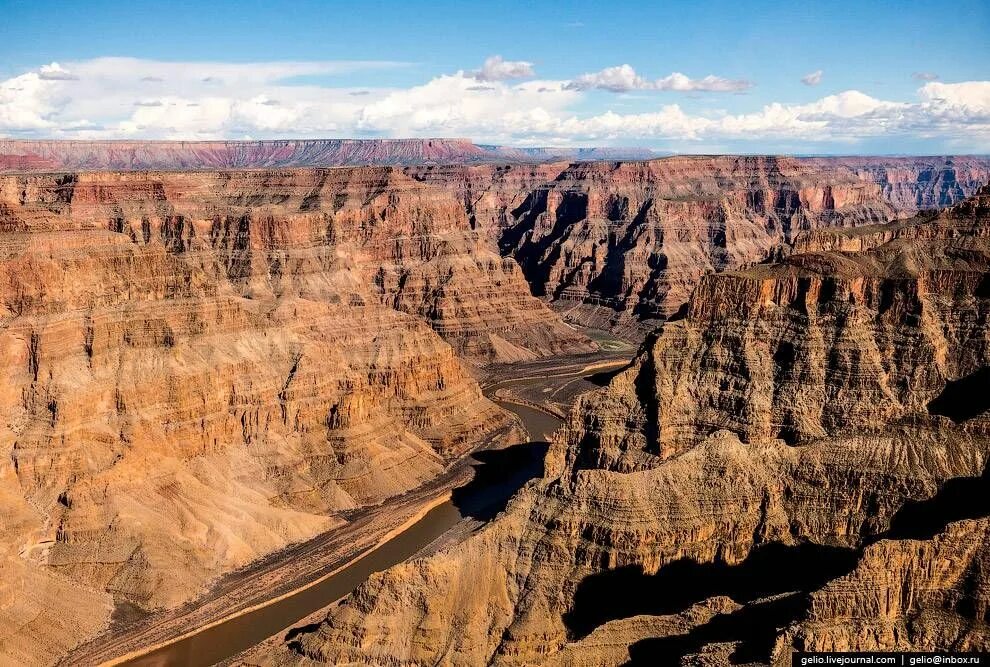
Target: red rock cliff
752 469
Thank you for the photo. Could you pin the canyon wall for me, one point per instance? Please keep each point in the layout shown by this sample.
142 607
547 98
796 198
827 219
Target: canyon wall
615 245
203 368
779 468
358 236
905 595
621 245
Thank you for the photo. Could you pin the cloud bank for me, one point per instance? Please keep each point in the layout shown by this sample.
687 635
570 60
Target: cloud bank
624 78
502 102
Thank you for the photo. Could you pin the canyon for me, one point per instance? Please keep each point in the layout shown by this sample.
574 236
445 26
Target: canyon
615 245
620 246
217 353
197 377
797 462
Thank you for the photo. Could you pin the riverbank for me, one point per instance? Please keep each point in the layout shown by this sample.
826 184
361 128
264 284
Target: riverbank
203 652
249 606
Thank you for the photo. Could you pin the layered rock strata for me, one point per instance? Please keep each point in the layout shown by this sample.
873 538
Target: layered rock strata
205 367
621 245
349 236
801 407
615 245
201 369
907 595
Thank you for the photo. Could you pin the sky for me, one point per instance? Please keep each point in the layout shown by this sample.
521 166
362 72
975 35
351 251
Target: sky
829 77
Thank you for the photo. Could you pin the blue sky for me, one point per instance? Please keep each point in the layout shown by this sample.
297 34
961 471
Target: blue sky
895 77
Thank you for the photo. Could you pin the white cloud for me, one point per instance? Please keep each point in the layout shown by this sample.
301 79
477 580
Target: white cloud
710 83
497 69
624 78
848 104
451 105
616 79
55 72
128 98
28 102
971 95
812 78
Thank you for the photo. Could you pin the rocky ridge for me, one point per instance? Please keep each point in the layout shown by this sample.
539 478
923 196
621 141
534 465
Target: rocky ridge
620 246
802 412
96 155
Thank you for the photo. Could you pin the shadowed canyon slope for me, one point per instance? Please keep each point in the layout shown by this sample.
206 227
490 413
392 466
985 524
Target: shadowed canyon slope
613 244
793 420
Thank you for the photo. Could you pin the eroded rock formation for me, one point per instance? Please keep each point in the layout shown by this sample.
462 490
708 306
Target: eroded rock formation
615 245
368 236
621 245
205 367
795 414
200 369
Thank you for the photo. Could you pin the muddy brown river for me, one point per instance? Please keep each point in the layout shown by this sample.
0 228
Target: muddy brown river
499 473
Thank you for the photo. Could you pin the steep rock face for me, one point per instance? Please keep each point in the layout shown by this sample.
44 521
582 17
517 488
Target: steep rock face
613 244
353 236
164 430
912 184
713 504
803 403
195 377
906 595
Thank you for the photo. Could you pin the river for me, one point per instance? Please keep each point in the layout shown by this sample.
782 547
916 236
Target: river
477 501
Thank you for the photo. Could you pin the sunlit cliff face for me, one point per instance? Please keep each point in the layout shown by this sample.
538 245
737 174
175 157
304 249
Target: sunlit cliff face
209 365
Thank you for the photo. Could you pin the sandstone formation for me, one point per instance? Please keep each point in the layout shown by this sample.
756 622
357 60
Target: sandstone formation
369 236
621 245
907 595
203 368
206 366
612 245
796 413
